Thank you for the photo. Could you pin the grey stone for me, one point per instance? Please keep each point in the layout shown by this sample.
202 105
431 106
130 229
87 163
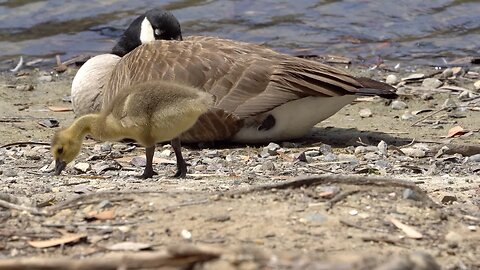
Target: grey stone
392 79
447 73
325 149
474 158
432 83
407 116
382 148
270 150
399 105
82 166
10 173
330 157
365 113
476 85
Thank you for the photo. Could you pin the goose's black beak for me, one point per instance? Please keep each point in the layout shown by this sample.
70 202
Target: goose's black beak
59 166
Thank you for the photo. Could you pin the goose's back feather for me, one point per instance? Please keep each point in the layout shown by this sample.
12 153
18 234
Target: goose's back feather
245 79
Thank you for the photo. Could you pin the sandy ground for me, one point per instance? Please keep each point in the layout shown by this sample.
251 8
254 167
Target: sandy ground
292 227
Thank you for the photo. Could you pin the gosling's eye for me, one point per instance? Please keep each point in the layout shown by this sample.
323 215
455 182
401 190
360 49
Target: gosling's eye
158 32
60 150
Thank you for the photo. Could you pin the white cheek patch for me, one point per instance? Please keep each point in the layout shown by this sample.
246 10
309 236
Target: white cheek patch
146 32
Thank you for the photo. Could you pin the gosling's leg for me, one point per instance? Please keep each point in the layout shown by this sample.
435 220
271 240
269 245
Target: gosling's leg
181 164
149 172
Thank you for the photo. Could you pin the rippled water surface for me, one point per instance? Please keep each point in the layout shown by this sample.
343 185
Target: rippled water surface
400 30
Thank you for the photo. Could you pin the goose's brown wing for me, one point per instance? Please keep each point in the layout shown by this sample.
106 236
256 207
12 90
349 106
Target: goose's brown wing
245 79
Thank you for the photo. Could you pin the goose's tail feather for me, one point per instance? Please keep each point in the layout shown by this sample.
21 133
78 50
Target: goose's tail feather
376 88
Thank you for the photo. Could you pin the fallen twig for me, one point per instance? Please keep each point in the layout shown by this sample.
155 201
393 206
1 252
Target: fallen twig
32 210
22 143
464 149
340 196
302 181
184 258
429 115
19 65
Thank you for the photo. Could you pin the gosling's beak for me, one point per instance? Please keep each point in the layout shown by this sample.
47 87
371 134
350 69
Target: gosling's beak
59 166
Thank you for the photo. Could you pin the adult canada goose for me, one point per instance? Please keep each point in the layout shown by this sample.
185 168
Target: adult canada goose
149 112
260 95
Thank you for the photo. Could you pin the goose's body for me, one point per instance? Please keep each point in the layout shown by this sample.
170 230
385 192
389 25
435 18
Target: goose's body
149 113
260 95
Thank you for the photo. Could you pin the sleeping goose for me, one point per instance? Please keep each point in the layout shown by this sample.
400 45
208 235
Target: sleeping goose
149 112
260 95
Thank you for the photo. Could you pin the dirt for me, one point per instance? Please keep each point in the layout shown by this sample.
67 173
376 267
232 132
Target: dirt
279 227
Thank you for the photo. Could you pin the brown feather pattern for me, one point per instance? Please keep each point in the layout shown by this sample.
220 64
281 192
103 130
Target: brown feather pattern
245 79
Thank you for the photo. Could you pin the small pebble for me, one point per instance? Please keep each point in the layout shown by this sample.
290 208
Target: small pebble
382 148
312 153
447 73
365 113
25 87
330 157
138 162
186 234
10 173
476 85
165 153
413 77
449 198
82 167
364 149
353 212
410 194
325 149
413 152
371 156
474 158
449 103
268 166
399 105
45 78
392 79
407 116
105 204
432 83
270 150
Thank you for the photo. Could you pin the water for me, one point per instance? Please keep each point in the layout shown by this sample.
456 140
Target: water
422 32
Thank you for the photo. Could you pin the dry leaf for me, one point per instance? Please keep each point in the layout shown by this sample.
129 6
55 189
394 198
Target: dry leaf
129 246
65 239
456 131
60 109
408 230
104 215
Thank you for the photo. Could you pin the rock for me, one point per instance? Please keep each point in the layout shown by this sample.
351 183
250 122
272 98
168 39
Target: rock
371 156
382 148
392 79
138 162
467 94
453 239
413 152
165 153
25 87
104 166
45 78
268 166
399 105
49 123
365 113
476 85
447 73
10 173
325 149
312 153
330 157
449 103
410 194
448 198
414 77
432 83
82 167
186 234
365 149
270 150
303 158
474 158
353 212
104 147
105 204
407 116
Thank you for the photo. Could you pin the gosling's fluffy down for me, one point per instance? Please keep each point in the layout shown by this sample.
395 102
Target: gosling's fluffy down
148 113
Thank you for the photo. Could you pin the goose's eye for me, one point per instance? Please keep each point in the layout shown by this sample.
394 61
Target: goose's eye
158 32
60 150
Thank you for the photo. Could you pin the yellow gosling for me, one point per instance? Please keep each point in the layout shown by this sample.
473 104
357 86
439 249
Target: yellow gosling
149 113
